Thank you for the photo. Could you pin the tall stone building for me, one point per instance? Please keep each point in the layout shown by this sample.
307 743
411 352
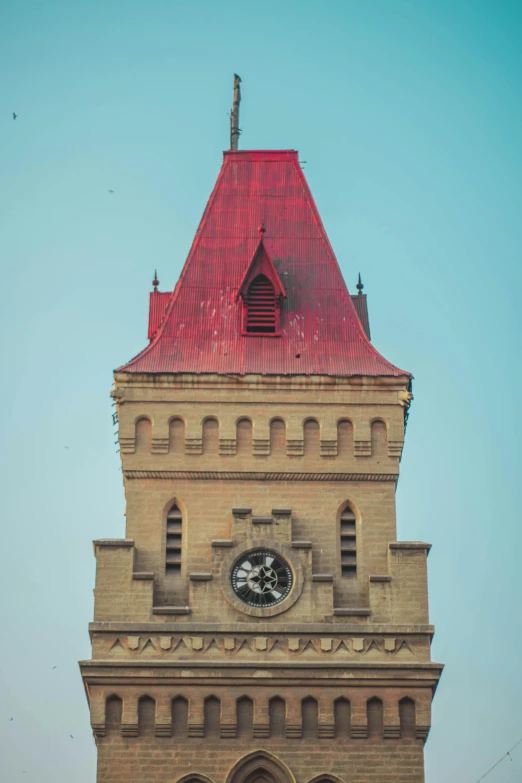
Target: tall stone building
260 622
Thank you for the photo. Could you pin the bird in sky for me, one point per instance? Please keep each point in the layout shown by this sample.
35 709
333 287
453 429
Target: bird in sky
55 667
15 115
111 191
71 736
11 718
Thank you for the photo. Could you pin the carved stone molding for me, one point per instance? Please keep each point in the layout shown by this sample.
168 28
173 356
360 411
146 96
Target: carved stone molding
217 475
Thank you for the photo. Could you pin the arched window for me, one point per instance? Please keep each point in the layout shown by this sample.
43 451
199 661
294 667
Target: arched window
146 716
244 437
342 717
245 717
379 435
179 716
277 716
212 716
309 712
143 435
261 312
173 543
345 438
113 712
311 437
407 718
375 714
176 436
348 544
210 436
277 437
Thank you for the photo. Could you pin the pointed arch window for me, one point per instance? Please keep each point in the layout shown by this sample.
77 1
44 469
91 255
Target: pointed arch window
261 291
261 307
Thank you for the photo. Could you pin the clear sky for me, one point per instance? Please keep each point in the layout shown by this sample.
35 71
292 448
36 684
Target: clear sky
408 114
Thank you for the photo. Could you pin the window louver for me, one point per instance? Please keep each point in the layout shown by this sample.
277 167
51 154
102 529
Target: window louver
261 307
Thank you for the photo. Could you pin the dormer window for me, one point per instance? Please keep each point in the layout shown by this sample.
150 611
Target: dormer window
261 292
261 307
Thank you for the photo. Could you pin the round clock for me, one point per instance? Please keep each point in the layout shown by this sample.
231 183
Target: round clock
261 578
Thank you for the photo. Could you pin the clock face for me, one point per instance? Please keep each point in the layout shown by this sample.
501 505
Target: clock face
261 578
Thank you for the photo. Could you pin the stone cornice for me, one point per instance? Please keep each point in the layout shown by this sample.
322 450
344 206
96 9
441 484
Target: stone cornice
218 475
260 628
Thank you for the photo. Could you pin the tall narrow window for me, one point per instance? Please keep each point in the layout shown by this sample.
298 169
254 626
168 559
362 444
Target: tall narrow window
348 544
173 547
262 307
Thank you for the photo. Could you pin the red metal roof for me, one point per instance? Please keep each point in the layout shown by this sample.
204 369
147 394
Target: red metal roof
200 331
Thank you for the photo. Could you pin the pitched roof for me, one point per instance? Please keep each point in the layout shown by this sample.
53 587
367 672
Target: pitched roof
200 331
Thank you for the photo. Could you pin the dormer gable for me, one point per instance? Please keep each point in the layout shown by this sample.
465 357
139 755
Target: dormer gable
261 291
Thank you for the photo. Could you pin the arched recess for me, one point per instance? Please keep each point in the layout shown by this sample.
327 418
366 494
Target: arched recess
173 539
312 438
344 438
375 714
407 718
176 436
179 716
277 716
211 436
245 717
260 767
143 435
348 541
326 779
309 713
194 777
146 716
342 717
212 716
379 438
277 437
244 437
113 713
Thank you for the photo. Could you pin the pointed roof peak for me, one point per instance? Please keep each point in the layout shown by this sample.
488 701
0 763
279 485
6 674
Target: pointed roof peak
200 329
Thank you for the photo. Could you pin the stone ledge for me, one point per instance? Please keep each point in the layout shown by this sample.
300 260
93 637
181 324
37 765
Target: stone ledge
171 610
342 611
298 544
282 512
242 511
321 629
114 542
262 520
224 542
322 578
417 545
380 578
200 576
143 575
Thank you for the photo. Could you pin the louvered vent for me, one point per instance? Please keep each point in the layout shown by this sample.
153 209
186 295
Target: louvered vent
261 307
173 549
348 544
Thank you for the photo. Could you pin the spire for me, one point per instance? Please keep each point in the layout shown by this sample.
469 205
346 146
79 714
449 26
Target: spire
360 286
234 114
155 282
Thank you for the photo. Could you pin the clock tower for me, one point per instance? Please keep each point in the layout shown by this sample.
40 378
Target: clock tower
260 622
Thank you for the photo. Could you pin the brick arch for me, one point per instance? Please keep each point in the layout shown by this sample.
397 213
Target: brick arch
345 437
327 778
260 765
407 717
113 712
194 777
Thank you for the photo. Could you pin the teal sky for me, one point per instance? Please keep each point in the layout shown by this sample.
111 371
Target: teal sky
408 114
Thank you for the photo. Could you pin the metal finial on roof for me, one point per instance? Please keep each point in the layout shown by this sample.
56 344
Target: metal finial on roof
155 282
360 286
261 228
234 114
